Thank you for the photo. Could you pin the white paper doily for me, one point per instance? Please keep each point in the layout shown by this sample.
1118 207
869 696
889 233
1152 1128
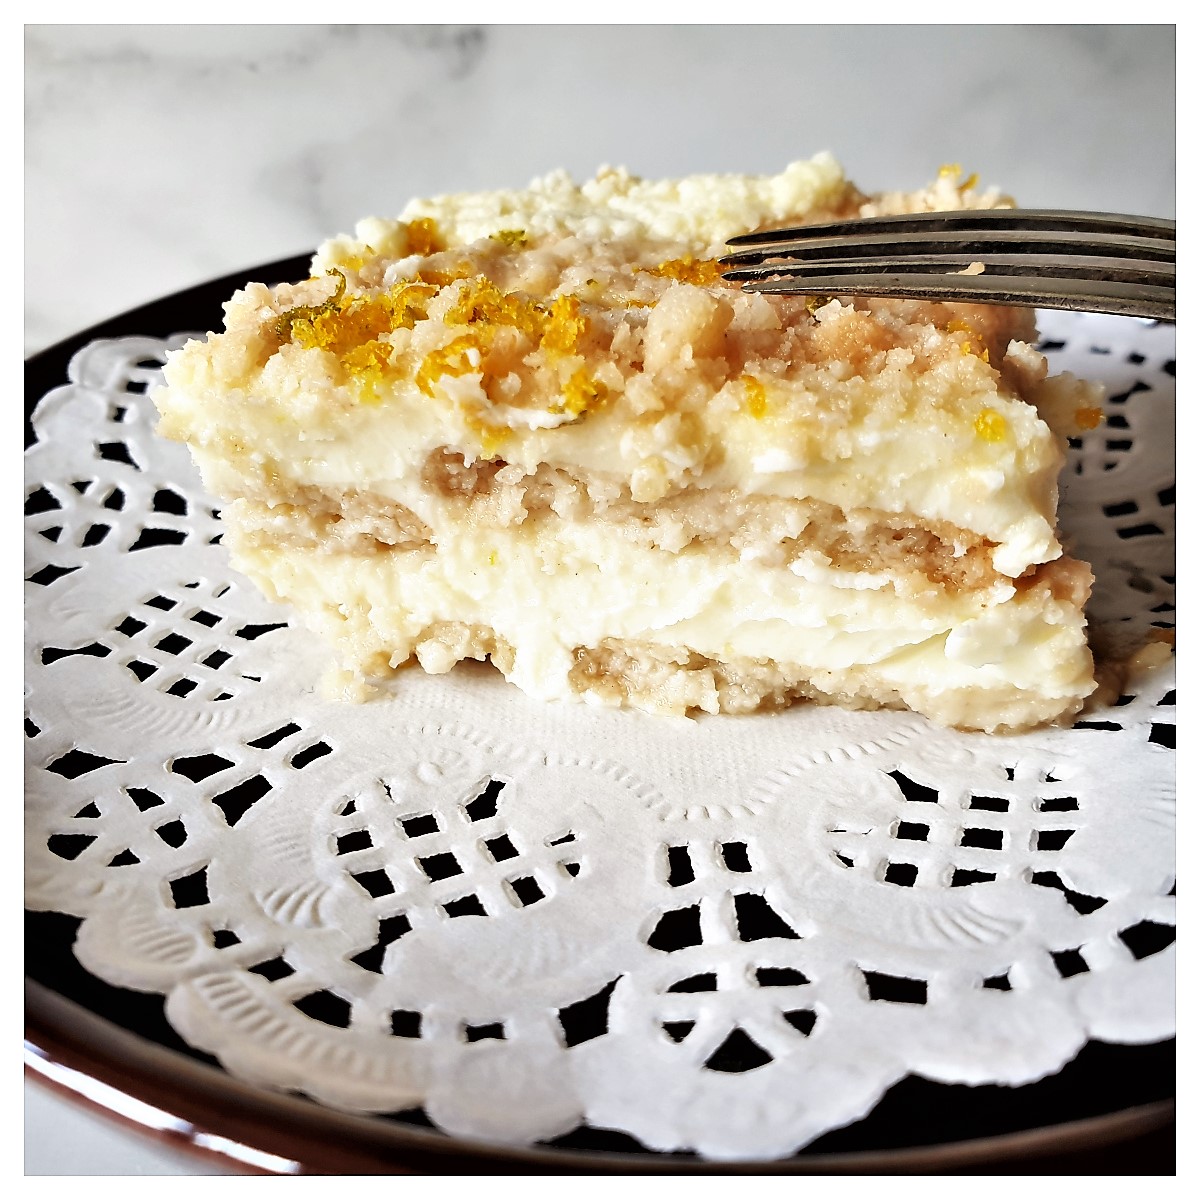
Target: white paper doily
727 935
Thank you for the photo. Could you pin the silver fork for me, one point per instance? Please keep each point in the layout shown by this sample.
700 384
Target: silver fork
1043 258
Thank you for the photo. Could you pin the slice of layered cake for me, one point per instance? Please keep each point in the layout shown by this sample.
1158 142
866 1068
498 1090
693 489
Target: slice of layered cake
538 427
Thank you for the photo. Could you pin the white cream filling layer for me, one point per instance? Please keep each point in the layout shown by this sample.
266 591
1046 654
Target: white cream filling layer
547 596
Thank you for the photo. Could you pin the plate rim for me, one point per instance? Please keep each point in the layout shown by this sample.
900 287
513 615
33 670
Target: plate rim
61 1033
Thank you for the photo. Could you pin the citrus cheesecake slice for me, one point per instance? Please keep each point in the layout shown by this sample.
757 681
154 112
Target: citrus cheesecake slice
538 427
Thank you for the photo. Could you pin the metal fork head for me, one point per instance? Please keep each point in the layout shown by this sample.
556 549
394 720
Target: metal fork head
1098 262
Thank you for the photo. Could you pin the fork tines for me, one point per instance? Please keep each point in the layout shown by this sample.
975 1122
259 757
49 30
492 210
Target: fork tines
1047 258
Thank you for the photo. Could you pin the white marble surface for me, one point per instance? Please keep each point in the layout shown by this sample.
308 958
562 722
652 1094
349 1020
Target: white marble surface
160 156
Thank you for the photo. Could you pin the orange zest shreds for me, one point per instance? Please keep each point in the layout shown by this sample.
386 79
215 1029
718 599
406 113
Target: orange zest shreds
991 425
340 324
356 331
492 438
689 269
565 327
581 394
367 356
356 262
481 302
1088 418
478 301
341 330
756 396
424 237
284 324
459 357
954 171
410 302
368 364
974 344
514 239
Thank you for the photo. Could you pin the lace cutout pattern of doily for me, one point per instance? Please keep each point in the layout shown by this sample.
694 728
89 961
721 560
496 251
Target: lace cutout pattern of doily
727 935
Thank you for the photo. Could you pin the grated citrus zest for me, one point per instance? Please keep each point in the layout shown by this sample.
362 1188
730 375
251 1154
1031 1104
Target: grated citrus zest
991 425
581 394
514 239
755 397
284 324
973 344
455 359
953 171
565 328
689 269
424 237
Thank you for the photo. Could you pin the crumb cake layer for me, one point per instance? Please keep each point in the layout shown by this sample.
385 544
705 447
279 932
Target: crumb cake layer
538 427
